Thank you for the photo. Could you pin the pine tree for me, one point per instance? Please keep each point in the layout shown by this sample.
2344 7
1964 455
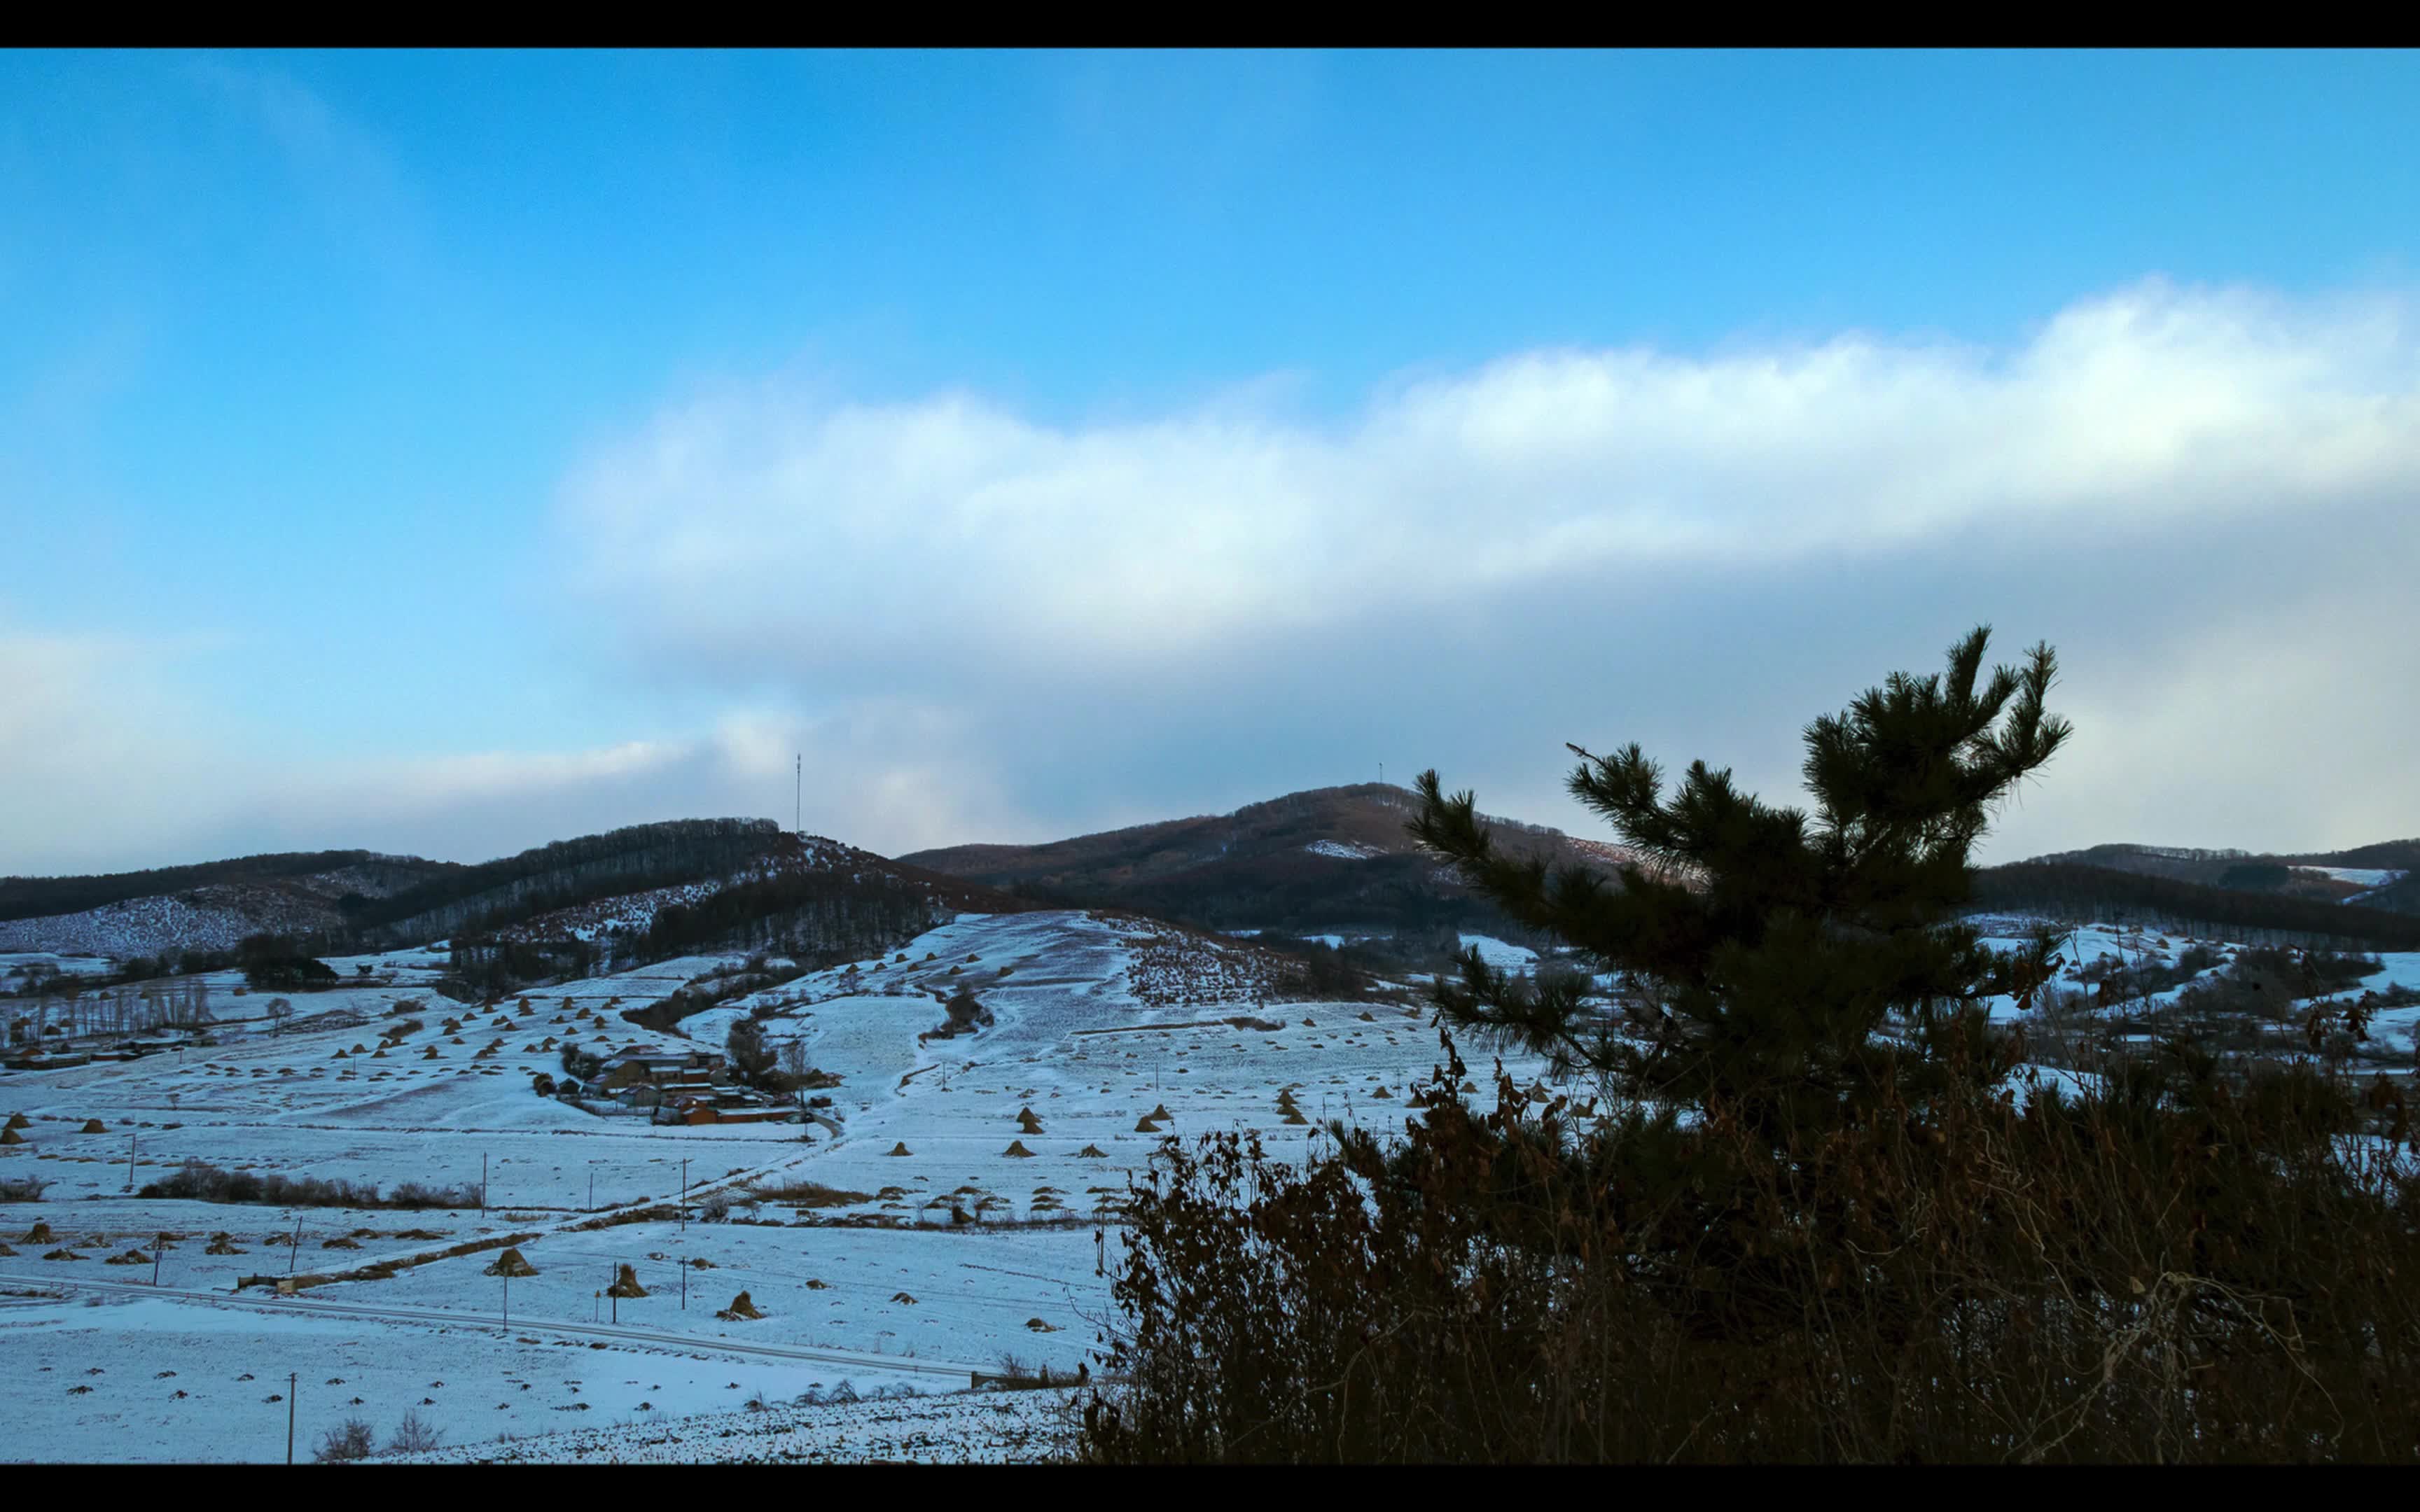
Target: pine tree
1785 970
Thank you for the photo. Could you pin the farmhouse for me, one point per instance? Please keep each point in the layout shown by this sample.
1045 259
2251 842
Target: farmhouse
663 1069
723 1106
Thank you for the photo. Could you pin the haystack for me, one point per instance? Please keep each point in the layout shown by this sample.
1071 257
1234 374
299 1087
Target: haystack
18 1121
5 1252
93 1126
1093 1152
899 1149
379 1054
340 1244
1294 1116
132 1257
63 1255
223 1244
1144 1125
40 1234
1382 1092
1028 1123
741 1310
10 1136
511 1263
626 1285
1016 1149
1161 1114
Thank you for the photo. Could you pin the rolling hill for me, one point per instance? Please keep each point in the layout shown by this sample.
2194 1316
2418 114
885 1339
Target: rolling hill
1323 859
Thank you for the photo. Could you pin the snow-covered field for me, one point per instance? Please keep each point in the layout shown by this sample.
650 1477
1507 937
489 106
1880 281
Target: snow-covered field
940 1216
970 1427
1028 1128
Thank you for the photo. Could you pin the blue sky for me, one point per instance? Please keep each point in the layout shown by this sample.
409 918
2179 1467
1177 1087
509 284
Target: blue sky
448 452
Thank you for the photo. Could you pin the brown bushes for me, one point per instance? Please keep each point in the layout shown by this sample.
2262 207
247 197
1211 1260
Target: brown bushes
2199 1263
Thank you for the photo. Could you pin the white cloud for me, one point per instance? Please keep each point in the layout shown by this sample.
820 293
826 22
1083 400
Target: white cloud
756 517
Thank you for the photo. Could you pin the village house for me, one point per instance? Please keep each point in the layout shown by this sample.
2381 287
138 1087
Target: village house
658 1071
723 1106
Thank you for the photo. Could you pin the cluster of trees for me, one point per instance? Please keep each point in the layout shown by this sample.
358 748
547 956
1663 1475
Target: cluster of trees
480 968
77 1007
811 916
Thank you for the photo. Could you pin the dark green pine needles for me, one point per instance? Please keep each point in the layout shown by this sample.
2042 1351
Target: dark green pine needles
1785 970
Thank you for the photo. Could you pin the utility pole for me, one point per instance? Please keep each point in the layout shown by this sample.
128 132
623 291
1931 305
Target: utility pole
483 1181
592 1186
684 1201
509 1299
684 1271
291 1379
294 1245
130 1163
799 795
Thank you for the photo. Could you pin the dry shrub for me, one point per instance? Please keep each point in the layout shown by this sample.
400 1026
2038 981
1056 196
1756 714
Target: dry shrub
349 1439
413 1435
199 1181
811 1193
2200 1261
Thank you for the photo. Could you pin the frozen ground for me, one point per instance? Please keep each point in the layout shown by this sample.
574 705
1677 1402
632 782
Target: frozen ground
978 1427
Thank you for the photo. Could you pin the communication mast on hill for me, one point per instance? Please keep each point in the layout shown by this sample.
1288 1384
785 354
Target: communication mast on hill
798 795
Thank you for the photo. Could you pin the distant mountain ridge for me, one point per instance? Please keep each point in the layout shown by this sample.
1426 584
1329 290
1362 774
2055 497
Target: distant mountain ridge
642 886
2362 875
